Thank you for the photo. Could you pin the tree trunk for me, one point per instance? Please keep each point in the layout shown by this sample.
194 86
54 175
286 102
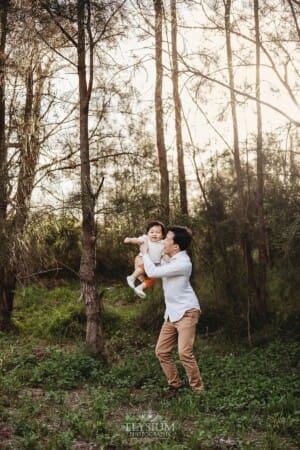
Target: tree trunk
7 294
6 285
94 332
236 149
162 154
262 247
29 145
177 104
3 148
29 153
243 222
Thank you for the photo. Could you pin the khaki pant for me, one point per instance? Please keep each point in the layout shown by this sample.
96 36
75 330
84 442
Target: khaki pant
182 332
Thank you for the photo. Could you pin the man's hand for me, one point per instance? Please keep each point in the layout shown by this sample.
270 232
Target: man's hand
127 240
144 248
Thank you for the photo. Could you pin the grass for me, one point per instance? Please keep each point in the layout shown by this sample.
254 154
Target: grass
55 395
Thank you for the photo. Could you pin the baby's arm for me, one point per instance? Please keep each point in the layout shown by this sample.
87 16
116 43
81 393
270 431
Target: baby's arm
132 240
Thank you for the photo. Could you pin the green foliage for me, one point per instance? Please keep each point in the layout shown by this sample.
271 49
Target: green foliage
62 237
121 307
152 309
113 258
51 368
50 314
59 396
283 289
54 242
220 275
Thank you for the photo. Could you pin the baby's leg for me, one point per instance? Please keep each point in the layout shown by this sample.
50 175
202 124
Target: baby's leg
139 271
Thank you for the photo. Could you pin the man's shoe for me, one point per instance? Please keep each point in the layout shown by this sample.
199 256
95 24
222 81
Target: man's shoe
199 389
173 392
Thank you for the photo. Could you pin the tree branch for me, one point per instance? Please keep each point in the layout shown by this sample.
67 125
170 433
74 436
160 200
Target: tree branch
40 35
294 15
237 91
273 65
74 165
46 6
108 21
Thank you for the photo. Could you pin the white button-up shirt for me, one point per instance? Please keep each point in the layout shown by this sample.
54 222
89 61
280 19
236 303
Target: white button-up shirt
175 274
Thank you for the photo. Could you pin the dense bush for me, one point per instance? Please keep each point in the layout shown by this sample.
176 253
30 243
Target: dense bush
50 314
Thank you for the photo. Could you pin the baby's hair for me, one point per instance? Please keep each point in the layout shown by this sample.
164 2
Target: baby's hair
157 223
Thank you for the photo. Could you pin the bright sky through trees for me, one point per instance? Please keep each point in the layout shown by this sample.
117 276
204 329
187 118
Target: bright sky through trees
201 47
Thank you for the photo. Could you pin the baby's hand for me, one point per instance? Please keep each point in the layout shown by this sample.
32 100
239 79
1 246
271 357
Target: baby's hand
127 240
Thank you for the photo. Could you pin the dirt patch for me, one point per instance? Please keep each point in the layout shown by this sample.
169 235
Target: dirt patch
32 393
75 398
6 439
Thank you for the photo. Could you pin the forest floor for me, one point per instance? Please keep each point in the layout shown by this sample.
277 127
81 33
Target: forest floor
55 395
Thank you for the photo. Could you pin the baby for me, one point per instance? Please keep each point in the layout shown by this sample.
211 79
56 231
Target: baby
154 237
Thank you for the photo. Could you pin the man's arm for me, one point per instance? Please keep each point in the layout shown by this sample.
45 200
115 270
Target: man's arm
170 269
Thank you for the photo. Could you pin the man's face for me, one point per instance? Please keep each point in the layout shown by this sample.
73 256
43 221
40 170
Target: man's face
169 243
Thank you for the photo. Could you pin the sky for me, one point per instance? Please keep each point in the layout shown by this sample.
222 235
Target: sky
193 42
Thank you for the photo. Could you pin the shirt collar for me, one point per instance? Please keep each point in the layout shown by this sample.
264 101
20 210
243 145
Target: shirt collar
178 255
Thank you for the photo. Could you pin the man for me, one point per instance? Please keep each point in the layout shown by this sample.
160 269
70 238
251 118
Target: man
182 309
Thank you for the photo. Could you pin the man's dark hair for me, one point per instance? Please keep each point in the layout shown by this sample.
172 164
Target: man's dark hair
157 223
182 236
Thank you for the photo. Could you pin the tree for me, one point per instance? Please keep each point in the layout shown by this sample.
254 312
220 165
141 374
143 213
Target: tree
178 108
89 18
94 331
294 4
242 213
216 25
262 246
6 298
22 122
159 120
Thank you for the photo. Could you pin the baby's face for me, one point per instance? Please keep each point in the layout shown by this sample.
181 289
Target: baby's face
155 234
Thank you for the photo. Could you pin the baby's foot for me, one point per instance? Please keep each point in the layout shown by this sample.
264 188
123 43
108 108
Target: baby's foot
130 281
140 291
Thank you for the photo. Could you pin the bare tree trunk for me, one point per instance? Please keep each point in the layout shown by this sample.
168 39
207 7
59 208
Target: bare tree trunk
6 285
12 229
162 154
3 149
29 154
178 108
29 145
293 176
236 149
262 247
94 332
242 207
211 221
